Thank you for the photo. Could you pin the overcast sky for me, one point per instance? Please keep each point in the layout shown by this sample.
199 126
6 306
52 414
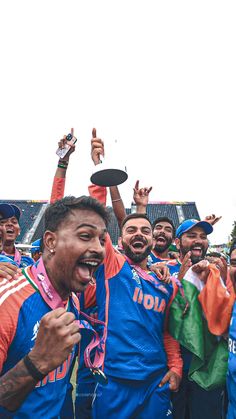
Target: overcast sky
157 76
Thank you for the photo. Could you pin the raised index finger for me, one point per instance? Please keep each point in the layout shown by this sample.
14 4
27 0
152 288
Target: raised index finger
72 132
94 133
136 186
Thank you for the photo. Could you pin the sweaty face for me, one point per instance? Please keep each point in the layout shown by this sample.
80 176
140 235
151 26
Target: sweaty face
79 248
194 240
163 235
11 229
137 240
232 269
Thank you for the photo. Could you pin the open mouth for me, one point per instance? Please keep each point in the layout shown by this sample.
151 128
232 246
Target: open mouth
161 240
86 269
197 251
138 244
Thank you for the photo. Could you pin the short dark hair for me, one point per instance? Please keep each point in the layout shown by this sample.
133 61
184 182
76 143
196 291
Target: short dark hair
134 215
167 220
56 213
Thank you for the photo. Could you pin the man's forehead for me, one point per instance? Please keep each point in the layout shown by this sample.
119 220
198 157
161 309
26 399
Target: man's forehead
84 217
137 222
6 220
164 223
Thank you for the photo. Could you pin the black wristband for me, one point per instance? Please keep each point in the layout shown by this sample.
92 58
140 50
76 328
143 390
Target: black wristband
34 372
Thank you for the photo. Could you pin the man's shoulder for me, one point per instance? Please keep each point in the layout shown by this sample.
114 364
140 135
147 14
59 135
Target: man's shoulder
14 291
4 258
26 261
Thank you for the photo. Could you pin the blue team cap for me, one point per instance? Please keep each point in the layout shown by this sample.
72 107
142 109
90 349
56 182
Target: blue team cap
188 224
17 211
35 246
6 211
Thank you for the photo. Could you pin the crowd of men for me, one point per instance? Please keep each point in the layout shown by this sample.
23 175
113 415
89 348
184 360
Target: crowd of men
149 334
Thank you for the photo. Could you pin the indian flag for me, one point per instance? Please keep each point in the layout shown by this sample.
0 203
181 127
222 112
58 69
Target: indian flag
198 326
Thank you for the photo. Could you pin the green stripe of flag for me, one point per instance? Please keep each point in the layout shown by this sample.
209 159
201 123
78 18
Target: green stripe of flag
209 362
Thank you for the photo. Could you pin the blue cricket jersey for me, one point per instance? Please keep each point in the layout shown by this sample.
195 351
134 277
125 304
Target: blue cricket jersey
4 258
172 264
21 309
134 311
25 260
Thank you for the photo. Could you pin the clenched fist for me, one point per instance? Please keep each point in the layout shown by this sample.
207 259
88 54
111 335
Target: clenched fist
57 335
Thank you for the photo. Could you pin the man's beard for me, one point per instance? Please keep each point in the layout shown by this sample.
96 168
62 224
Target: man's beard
136 258
194 259
161 248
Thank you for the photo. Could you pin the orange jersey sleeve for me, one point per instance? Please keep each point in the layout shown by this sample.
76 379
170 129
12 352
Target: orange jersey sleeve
90 296
99 193
58 189
174 359
13 292
172 347
113 261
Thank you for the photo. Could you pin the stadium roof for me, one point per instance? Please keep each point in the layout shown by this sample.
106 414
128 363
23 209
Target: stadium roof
32 220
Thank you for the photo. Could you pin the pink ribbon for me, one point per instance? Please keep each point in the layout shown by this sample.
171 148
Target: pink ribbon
53 300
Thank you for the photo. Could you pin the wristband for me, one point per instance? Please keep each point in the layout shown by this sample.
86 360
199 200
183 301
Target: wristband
34 372
62 166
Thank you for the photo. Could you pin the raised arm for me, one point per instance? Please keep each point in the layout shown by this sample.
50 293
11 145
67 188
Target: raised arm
141 197
58 187
97 149
117 204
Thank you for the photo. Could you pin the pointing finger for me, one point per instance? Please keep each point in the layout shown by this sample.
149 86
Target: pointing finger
94 133
136 185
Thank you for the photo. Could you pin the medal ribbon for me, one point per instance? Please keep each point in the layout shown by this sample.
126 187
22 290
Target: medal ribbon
143 274
53 300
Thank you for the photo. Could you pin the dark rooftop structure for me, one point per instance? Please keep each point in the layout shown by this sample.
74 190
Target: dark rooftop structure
32 222
31 213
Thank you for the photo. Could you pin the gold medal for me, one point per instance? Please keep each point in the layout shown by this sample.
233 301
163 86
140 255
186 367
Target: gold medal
99 376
